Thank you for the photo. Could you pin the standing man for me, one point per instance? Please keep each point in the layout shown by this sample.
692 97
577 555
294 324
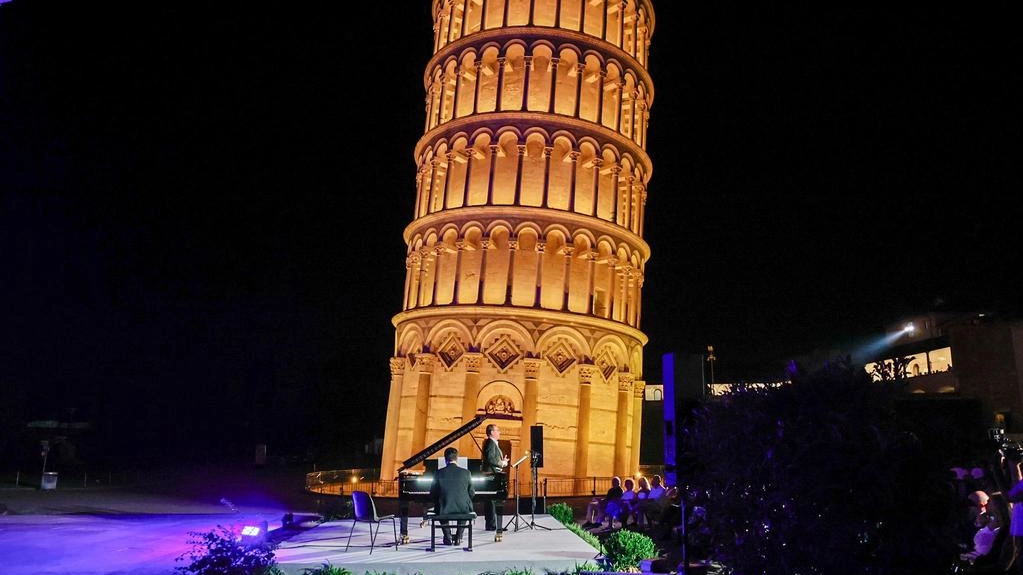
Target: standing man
452 492
494 461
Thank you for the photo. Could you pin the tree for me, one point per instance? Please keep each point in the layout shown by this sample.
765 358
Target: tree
815 476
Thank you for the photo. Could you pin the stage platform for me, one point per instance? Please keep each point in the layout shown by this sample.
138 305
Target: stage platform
540 550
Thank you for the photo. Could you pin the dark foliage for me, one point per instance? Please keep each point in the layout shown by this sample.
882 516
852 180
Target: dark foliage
221 552
817 477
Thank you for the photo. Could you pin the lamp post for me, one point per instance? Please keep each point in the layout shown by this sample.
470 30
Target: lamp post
710 360
45 445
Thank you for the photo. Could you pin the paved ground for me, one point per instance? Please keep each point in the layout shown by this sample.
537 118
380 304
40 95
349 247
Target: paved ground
142 529
137 530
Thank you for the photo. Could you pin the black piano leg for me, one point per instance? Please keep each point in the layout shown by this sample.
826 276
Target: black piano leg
403 520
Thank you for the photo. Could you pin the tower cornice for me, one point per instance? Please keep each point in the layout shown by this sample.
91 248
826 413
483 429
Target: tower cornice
549 121
564 318
517 214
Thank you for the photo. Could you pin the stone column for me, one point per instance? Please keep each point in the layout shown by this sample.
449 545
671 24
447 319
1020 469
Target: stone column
518 174
425 363
574 156
582 438
476 89
529 399
387 463
472 362
554 76
622 429
637 420
526 73
529 403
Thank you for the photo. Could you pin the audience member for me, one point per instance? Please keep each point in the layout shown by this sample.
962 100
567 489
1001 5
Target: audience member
620 508
656 487
975 504
978 503
635 512
596 510
671 509
983 540
651 507
698 534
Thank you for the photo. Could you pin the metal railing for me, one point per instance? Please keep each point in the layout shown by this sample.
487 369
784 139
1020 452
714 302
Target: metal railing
342 482
79 478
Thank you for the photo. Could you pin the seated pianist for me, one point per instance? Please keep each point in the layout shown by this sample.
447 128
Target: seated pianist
452 494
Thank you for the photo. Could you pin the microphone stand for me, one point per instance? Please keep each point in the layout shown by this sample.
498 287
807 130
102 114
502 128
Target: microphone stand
532 513
516 518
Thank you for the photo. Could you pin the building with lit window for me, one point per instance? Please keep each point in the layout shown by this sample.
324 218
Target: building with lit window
967 355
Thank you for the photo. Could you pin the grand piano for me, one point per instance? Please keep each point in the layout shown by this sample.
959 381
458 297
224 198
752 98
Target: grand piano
414 485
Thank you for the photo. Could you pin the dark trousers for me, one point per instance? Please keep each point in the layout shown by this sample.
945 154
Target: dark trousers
493 520
447 530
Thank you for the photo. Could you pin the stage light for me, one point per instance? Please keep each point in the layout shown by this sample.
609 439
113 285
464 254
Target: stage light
910 328
254 533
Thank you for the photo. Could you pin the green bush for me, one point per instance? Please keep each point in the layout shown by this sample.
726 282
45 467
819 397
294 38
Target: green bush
625 549
221 552
562 512
584 567
588 537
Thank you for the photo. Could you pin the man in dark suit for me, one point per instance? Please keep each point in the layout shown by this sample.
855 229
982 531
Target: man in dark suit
452 492
494 461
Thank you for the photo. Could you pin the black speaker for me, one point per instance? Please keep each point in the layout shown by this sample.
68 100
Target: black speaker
536 444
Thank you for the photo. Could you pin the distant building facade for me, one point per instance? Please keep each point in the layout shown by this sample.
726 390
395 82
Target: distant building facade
967 355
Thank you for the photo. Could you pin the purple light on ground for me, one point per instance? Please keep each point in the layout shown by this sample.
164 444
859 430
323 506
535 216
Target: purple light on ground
95 544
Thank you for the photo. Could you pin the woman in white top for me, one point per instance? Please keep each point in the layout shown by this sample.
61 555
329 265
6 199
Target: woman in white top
623 507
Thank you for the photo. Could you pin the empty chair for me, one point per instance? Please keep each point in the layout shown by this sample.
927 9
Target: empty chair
366 512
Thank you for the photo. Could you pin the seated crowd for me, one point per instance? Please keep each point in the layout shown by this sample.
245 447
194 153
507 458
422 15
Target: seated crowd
991 514
633 504
987 505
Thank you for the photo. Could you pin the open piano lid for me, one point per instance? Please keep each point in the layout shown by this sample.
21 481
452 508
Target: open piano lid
442 442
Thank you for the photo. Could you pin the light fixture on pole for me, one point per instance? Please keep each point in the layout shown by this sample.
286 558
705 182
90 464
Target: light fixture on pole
710 360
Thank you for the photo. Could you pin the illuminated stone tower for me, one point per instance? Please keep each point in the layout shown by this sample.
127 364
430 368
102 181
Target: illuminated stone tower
525 251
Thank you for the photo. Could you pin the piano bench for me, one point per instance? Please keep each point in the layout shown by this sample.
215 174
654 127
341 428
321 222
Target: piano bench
435 525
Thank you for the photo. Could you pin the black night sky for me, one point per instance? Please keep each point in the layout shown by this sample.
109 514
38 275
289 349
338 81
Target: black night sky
201 208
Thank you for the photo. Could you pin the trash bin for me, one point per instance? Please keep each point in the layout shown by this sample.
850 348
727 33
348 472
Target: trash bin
49 480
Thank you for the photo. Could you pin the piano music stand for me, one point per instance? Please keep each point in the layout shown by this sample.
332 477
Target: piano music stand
516 518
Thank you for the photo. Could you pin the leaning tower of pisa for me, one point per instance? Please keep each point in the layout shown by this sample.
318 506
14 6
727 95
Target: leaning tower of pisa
525 260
